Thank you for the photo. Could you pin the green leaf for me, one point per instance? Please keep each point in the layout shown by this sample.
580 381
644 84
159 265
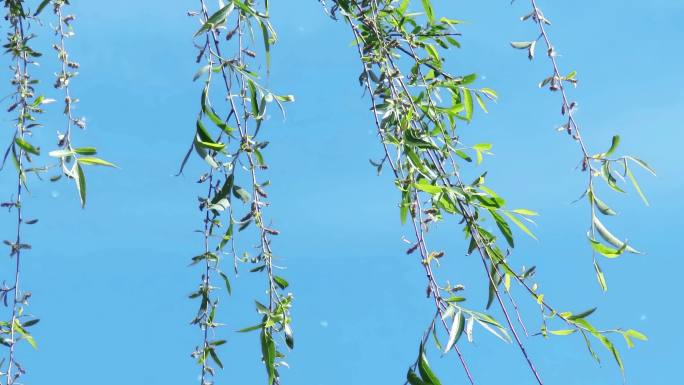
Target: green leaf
85 150
205 140
612 239
404 206
226 281
432 51
481 103
482 147
216 19
600 277
520 224
426 372
605 250
636 334
26 146
204 155
200 72
90 161
241 194
214 356
563 332
581 315
503 227
503 336
251 328
267 43
429 188
636 186
525 212
281 282
609 345
610 179
613 146
41 6
289 338
602 206
521 44
429 12
268 351
456 330
643 164
253 98
226 237
490 93
468 102
79 177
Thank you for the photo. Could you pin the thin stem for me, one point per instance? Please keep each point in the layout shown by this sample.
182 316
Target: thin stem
21 77
573 126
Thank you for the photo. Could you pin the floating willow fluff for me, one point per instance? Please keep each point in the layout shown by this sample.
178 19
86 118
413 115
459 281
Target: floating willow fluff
26 105
233 151
418 108
600 165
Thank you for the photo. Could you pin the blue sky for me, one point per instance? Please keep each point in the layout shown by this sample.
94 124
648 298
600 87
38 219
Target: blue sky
110 282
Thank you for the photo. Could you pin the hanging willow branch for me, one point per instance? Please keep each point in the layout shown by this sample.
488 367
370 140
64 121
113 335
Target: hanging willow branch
237 146
418 107
28 105
599 165
71 159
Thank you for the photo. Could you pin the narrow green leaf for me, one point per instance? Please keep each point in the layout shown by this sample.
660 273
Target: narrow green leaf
643 164
250 328
525 212
563 332
583 314
636 186
426 372
26 146
214 356
600 277
602 206
267 43
610 238
428 188
520 224
636 334
521 44
218 18
41 6
503 227
281 282
95 162
456 330
468 102
79 177
605 250
613 146
430 13
289 338
226 281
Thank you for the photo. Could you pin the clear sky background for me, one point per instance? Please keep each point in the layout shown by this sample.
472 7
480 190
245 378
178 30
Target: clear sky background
110 282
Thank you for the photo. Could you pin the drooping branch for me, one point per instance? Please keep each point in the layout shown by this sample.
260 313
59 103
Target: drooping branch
72 160
237 147
598 165
404 74
27 106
